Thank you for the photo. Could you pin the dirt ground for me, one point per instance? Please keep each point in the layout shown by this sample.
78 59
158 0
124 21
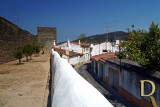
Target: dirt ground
24 85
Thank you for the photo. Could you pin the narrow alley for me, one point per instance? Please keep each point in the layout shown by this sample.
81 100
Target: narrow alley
109 93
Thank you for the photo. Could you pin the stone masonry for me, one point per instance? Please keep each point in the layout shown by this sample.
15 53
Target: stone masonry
12 36
47 35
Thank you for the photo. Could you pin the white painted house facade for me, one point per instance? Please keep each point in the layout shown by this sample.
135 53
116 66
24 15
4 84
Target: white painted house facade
77 52
83 52
104 47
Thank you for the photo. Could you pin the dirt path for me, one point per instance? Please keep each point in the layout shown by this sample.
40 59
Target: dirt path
24 85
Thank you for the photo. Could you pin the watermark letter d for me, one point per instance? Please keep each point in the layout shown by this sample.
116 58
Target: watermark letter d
142 88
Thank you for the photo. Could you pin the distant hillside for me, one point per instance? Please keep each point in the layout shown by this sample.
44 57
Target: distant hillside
101 37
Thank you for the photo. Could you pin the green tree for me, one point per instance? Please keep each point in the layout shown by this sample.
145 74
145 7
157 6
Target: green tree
28 50
36 49
144 47
83 38
18 53
60 54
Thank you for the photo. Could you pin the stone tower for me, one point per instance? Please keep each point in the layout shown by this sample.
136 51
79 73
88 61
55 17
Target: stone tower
46 36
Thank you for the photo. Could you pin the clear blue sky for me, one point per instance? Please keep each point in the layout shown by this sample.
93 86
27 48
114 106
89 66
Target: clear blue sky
73 17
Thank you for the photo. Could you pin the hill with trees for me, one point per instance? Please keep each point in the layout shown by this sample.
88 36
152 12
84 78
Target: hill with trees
101 37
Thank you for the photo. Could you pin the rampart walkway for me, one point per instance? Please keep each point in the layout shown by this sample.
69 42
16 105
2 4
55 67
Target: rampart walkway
24 85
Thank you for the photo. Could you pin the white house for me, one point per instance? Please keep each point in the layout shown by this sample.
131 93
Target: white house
104 47
85 50
73 58
98 64
77 51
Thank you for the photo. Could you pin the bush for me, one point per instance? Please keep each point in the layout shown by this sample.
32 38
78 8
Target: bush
144 47
36 49
60 54
28 50
18 53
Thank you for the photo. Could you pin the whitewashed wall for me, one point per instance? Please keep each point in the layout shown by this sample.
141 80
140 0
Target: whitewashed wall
82 59
66 87
74 59
62 46
130 81
65 57
103 46
117 42
76 48
86 50
70 46
109 47
95 50
98 48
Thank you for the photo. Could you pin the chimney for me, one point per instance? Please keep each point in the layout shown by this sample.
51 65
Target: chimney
69 46
106 38
68 42
79 42
54 44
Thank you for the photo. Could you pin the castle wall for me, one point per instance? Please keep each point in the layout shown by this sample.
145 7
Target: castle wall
47 35
11 36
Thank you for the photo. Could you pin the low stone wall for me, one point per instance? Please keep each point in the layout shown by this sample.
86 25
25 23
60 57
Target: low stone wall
69 89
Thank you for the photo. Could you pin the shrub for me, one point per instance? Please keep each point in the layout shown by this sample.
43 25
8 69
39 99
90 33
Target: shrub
18 53
36 49
28 50
144 47
60 54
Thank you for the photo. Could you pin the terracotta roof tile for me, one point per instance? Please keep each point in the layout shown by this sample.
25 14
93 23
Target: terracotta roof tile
83 45
63 51
104 57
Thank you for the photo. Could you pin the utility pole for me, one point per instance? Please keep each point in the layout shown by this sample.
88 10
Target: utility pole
115 24
107 29
120 54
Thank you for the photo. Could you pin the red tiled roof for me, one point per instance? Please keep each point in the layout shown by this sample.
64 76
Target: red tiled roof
63 51
103 57
83 45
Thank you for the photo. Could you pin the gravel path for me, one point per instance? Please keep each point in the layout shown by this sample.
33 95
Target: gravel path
109 93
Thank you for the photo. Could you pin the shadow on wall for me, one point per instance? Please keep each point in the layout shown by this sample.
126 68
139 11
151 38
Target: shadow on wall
50 82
